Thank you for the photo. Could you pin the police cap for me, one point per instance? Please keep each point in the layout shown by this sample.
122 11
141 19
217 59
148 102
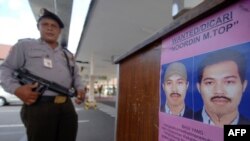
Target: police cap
44 13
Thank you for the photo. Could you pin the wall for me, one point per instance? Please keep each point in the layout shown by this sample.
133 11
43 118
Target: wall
4 51
139 96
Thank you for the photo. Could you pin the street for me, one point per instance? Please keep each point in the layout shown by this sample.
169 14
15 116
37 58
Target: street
93 125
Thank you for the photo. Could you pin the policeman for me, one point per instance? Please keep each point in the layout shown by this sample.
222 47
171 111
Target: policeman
50 116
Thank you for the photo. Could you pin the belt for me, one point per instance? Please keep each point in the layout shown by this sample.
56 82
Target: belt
52 99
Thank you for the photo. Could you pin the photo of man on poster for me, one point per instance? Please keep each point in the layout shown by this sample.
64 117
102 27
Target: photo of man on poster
175 86
221 84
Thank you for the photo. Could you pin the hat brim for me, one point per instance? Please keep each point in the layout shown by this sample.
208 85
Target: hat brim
53 17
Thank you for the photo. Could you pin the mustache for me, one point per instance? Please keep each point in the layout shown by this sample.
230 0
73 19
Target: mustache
221 97
175 93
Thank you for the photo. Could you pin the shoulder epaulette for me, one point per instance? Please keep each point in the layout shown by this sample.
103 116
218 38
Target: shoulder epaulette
25 39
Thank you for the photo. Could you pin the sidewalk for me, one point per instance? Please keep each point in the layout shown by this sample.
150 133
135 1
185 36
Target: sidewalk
107 104
107 109
105 98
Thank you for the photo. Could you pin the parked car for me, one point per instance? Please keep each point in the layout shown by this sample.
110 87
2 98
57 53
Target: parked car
7 98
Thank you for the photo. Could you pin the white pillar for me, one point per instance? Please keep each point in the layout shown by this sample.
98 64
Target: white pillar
91 78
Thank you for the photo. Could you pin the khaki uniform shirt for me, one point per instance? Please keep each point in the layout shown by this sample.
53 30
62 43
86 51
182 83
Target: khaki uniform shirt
41 60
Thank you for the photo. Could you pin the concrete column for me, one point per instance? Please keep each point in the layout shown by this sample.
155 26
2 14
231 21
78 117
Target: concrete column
91 78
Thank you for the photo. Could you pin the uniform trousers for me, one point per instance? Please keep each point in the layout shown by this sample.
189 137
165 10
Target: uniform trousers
49 121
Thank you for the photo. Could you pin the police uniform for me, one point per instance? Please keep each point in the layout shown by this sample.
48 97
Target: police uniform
45 120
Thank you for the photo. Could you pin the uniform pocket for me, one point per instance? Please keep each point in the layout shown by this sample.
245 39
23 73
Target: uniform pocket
35 57
36 53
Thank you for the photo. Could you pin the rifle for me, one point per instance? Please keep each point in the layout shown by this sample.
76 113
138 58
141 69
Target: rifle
25 77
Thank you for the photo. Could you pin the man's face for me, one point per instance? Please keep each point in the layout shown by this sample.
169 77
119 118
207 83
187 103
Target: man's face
175 88
49 30
221 88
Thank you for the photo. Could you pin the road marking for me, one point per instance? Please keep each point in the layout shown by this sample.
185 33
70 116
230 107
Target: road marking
82 121
11 125
8 111
78 109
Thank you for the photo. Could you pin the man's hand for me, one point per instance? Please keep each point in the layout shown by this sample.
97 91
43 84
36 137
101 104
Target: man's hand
80 96
26 94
